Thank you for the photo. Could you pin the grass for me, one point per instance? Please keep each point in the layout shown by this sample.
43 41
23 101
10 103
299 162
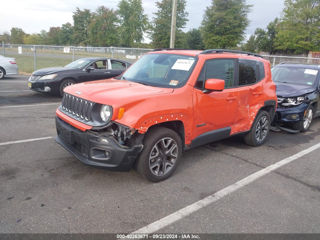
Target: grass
26 63
51 59
56 57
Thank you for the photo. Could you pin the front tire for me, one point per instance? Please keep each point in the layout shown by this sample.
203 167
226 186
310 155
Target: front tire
160 156
2 73
65 83
259 130
304 125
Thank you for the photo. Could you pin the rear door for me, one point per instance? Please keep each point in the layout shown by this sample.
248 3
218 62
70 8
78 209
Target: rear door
117 67
250 90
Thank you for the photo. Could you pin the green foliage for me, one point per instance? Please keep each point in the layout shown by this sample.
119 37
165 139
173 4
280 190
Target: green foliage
162 24
133 22
250 45
299 30
5 37
54 36
194 39
66 33
224 23
17 35
82 19
103 28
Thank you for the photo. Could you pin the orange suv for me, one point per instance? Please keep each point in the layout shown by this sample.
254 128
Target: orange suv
168 101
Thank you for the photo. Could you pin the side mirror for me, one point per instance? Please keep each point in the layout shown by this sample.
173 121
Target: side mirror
89 69
214 84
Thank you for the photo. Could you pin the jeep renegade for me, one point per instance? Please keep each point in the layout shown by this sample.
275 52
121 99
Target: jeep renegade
167 102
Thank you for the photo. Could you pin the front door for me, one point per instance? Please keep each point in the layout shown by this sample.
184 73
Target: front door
216 110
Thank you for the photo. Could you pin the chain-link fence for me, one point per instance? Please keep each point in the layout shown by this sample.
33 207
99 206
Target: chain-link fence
274 60
32 57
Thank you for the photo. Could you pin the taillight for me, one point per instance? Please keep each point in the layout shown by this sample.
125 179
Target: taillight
12 62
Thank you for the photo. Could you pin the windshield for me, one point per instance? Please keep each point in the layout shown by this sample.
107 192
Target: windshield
80 63
161 70
294 75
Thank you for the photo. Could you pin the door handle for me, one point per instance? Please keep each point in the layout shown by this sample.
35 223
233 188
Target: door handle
257 93
229 99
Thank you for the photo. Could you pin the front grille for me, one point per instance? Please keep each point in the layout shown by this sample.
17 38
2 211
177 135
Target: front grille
77 108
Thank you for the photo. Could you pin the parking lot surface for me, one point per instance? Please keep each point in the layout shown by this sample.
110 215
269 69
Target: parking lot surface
43 189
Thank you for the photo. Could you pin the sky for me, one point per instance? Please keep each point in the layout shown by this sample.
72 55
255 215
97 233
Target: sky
35 15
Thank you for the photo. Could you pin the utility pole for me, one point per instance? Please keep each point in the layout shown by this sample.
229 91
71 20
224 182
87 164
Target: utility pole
173 23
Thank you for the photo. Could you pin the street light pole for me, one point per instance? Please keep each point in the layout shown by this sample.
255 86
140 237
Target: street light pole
173 23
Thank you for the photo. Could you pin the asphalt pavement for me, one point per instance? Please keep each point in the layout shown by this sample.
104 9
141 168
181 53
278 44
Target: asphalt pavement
43 189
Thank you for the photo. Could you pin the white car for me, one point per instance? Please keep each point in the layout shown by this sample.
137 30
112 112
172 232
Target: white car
8 66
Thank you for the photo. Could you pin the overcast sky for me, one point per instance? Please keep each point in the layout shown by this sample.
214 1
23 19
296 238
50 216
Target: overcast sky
34 15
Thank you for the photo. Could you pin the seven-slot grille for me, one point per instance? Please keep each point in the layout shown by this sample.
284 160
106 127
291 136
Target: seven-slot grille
77 107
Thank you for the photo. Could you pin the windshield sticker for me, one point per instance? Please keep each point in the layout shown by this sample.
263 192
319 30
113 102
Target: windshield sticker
310 83
174 83
311 72
183 64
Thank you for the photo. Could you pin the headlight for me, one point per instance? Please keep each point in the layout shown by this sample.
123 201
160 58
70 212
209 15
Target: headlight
48 77
294 101
106 113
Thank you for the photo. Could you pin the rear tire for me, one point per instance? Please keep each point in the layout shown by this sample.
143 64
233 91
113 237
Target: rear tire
65 83
259 130
2 73
160 155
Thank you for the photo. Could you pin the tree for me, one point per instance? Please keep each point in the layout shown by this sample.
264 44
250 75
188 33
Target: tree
224 23
54 36
133 22
194 39
5 37
103 28
162 24
17 35
299 29
265 38
250 45
82 19
65 37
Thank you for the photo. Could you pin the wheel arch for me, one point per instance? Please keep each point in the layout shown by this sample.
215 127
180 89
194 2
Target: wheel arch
176 126
4 71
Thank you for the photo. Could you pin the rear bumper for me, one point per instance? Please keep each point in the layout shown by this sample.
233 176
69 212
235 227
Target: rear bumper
12 69
94 149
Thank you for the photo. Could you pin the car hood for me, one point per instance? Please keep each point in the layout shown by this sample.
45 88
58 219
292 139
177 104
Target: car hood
293 90
46 71
116 92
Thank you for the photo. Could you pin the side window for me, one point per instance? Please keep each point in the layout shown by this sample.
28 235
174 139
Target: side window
116 65
101 64
217 68
250 72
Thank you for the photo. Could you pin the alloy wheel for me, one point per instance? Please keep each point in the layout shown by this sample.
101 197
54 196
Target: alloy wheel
262 129
163 156
307 119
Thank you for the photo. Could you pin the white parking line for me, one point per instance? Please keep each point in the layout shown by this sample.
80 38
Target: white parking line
25 141
14 91
30 105
184 212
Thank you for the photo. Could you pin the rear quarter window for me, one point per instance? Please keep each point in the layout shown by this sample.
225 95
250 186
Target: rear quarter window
250 72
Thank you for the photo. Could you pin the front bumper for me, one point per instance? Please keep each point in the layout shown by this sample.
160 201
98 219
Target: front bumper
291 114
96 149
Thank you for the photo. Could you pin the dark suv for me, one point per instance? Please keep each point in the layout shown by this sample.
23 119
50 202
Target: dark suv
298 96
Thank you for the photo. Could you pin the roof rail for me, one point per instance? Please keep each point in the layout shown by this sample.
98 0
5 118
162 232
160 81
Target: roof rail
168 49
229 51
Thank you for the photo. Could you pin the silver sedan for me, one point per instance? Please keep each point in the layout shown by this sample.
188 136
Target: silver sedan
8 66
